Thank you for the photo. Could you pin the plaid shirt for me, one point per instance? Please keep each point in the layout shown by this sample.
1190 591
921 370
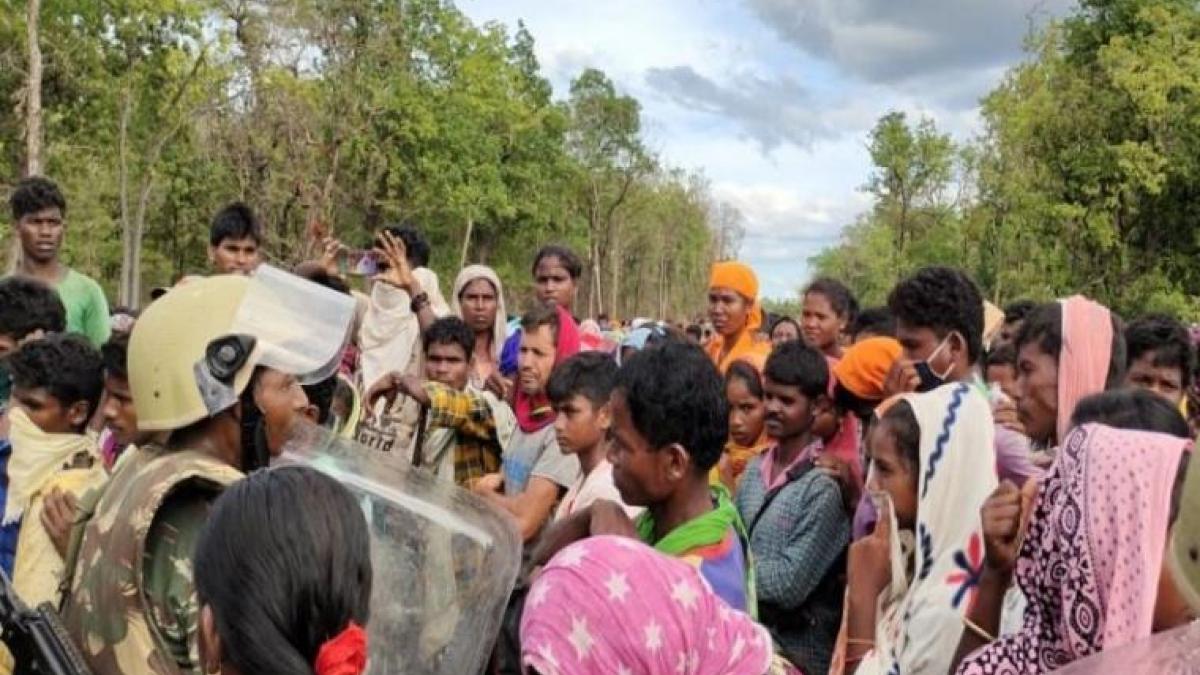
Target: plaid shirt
477 448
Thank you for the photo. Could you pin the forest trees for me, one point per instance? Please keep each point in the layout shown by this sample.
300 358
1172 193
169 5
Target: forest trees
343 117
1085 178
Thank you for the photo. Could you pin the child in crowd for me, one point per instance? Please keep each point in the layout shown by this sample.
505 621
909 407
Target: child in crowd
931 471
57 382
747 420
670 421
1000 369
798 526
579 389
467 428
1159 357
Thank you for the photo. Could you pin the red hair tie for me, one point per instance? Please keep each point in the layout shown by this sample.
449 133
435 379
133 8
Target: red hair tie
344 654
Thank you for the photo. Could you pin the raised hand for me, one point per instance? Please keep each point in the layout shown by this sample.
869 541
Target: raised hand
869 568
398 273
1005 516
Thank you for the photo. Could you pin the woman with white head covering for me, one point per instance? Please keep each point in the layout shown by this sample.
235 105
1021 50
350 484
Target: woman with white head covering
478 299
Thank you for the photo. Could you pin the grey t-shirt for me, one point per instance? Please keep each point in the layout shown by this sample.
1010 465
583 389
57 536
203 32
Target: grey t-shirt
537 454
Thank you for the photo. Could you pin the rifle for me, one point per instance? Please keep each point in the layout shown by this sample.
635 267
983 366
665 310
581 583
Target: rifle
36 637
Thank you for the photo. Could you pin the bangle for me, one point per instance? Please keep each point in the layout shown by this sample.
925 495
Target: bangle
419 302
860 641
981 633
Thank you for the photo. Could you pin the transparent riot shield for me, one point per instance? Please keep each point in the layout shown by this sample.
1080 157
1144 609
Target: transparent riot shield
1175 652
444 561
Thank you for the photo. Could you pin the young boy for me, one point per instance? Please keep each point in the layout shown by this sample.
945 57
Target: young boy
467 429
1001 368
579 390
39 213
57 382
235 240
670 422
797 524
28 310
1159 357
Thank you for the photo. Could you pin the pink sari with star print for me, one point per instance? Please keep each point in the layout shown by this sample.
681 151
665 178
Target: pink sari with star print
614 605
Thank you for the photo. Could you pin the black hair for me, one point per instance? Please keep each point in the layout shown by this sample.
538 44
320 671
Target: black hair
67 366
782 320
1133 409
284 563
541 315
675 395
902 422
942 299
877 321
235 221
1004 355
1044 326
34 194
416 247
840 297
795 364
566 257
320 394
115 356
450 330
1018 310
27 306
695 332
1167 338
747 374
587 374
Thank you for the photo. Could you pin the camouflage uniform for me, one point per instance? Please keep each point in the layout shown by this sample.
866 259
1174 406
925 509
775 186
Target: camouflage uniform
129 602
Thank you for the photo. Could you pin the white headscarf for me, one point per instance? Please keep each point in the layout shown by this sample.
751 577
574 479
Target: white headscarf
390 330
473 273
920 619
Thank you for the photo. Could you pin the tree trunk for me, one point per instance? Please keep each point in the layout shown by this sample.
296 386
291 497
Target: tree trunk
127 242
33 93
466 247
615 263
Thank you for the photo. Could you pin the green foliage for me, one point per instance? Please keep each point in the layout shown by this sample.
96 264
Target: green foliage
345 117
1084 180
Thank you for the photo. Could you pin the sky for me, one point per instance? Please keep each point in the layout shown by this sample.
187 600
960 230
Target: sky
773 99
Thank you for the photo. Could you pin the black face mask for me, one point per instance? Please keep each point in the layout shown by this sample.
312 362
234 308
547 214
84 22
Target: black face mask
929 379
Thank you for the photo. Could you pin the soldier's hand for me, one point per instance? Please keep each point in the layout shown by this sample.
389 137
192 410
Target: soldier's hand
58 516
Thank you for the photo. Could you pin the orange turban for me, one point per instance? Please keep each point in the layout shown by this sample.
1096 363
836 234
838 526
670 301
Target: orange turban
865 366
739 277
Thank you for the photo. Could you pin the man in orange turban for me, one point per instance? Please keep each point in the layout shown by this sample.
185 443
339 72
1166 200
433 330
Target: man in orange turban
736 317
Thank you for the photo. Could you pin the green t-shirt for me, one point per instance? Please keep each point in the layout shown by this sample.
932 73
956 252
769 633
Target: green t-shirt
87 308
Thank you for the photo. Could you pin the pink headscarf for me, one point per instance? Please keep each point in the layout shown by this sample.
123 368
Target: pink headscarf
534 412
1083 361
1093 554
614 605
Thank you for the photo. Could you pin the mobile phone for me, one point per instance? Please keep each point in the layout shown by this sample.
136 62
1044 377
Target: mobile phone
362 262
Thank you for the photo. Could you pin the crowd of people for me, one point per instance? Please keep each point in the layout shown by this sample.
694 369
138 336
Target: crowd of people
932 486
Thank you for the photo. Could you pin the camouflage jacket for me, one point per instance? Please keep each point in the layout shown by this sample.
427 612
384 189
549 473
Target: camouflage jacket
129 602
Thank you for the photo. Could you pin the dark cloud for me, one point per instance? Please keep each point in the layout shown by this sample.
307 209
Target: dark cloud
769 111
890 41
